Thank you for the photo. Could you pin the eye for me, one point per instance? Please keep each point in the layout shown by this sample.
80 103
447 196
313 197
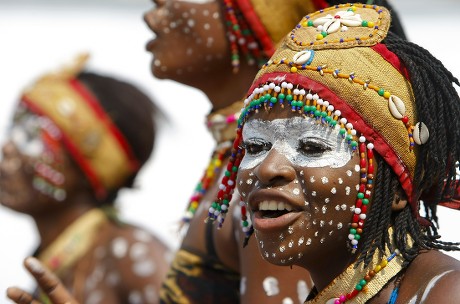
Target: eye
255 146
312 147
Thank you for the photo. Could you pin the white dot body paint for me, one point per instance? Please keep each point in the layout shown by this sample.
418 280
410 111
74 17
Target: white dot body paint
138 251
243 285
119 247
150 294
144 268
95 297
270 285
287 301
135 297
286 136
302 291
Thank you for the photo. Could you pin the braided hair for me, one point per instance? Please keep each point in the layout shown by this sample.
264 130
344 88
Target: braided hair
438 105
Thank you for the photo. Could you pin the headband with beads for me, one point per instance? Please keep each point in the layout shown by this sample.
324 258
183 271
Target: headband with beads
336 53
88 133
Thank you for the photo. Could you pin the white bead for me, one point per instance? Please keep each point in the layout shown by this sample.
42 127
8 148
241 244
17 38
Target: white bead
216 213
326 103
277 89
222 187
330 108
290 86
353 132
351 236
211 210
357 210
320 102
337 112
230 183
362 139
349 126
309 96
370 146
284 84
296 91
223 207
266 87
343 120
315 97
354 242
302 92
271 85
362 216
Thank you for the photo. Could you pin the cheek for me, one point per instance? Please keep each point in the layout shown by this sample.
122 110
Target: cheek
246 182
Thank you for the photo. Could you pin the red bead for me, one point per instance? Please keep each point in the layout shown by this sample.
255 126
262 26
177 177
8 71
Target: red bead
405 119
364 209
355 218
359 203
362 187
370 169
370 153
362 163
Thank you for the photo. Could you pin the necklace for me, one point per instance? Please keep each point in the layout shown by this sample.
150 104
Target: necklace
359 284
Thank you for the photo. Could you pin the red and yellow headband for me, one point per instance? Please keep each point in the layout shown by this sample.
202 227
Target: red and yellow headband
88 133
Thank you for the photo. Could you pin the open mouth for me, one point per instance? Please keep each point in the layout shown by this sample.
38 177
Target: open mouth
273 209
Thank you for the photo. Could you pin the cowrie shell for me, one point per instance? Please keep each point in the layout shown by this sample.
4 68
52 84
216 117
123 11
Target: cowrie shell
397 107
421 133
302 57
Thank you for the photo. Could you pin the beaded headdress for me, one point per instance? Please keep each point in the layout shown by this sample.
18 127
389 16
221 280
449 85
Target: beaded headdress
89 135
333 67
254 27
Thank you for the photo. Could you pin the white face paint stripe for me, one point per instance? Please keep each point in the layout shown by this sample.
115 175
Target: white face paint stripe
286 134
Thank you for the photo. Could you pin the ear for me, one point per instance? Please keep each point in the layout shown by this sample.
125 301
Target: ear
399 202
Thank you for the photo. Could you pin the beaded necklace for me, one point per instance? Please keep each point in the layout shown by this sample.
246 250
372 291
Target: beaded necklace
222 125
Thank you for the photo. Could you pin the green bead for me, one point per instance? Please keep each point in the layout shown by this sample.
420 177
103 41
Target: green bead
273 100
310 23
349 137
362 282
381 92
328 119
342 131
289 97
323 114
324 33
236 27
357 237
225 201
227 173
365 201
352 230
234 168
281 96
364 23
267 96
354 144
306 108
359 287
214 205
317 113
360 195
245 224
333 123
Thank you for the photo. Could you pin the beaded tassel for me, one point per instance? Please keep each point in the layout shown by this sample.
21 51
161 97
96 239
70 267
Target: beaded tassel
240 36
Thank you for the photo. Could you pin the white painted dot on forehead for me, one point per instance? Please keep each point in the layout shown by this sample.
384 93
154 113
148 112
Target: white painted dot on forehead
322 223
261 244
113 278
327 200
191 22
313 193
193 11
344 207
185 15
249 181
316 233
186 30
340 180
206 26
357 168
300 241
339 226
324 209
333 190
142 235
349 173
216 15
163 68
290 229
308 242
312 179
205 13
119 247
291 243
172 25
282 248
157 62
296 191
322 240
138 251
251 173
324 180
281 237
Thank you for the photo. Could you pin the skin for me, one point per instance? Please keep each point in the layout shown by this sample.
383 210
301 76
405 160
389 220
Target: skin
124 263
261 281
274 174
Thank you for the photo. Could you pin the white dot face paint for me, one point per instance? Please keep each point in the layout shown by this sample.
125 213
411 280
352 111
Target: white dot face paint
303 142
119 247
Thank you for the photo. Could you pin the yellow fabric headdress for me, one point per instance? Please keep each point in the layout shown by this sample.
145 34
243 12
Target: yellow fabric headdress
88 133
336 53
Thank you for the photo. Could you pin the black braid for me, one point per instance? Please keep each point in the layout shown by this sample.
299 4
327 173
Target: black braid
438 106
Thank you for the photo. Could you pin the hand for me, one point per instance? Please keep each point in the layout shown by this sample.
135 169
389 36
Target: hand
48 282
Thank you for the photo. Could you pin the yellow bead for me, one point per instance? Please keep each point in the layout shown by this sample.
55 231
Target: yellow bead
194 204
305 24
370 24
377 268
383 263
319 37
293 70
386 95
217 162
353 8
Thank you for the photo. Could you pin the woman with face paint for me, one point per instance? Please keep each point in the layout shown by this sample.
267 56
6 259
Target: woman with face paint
75 141
194 45
347 132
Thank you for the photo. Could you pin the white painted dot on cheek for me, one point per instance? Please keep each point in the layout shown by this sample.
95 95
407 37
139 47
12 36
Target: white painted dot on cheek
144 268
357 168
349 173
312 179
301 240
138 251
344 207
207 26
282 248
324 180
308 242
270 285
157 62
215 15
191 22
290 230
327 200
302 291
333 190
324 209
340 180
313 193
287 301
339 226
347 190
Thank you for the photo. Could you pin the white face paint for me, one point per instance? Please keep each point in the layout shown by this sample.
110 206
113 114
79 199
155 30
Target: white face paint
301 140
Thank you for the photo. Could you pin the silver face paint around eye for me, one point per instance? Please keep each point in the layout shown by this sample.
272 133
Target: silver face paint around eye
287 136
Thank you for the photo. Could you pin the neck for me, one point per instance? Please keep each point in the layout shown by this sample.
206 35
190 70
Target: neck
51 224
228 87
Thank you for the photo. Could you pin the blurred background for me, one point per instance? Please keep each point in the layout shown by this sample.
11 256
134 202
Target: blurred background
39 35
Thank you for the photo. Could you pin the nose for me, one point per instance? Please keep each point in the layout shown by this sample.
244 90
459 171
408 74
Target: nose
275 170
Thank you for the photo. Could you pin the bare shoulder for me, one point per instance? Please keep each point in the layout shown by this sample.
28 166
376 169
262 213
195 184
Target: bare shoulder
433 277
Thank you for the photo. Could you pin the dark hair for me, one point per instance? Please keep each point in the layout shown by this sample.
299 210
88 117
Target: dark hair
438 106
131 110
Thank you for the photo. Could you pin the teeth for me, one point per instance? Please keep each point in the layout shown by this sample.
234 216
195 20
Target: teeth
274 206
